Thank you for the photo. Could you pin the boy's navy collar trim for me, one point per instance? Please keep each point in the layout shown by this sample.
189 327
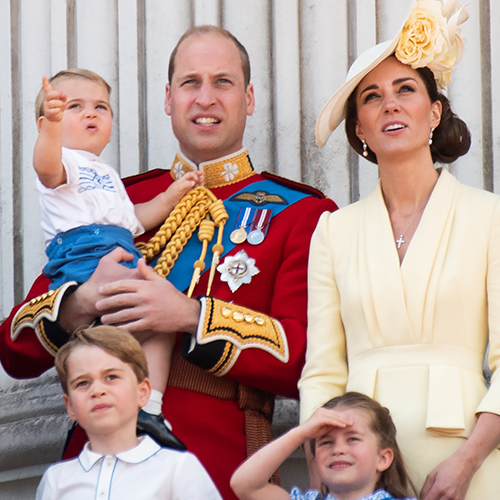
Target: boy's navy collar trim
140 453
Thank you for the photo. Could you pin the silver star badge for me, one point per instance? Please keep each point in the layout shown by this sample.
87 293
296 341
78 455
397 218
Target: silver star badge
237 269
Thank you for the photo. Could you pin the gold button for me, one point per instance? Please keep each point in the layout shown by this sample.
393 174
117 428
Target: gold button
32 302
44 296
51 292
259 320
226 312
248 318
238 316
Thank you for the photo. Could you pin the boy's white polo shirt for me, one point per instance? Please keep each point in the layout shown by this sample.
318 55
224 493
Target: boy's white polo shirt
146 471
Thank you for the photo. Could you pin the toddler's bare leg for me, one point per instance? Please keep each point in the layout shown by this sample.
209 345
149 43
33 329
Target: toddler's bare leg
158 350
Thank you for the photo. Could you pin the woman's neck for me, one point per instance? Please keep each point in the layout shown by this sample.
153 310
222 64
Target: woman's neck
407 185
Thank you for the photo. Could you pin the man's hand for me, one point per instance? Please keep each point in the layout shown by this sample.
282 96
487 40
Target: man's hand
150 304
79 309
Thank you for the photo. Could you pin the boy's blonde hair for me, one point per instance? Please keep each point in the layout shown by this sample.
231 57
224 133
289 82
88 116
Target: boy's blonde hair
115 341
69 74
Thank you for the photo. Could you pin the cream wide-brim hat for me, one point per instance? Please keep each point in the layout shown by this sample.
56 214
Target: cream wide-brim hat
448 16
335 109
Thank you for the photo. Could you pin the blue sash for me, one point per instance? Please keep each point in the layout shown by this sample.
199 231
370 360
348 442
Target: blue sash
182 271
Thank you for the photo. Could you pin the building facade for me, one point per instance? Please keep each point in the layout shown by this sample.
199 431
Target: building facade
300 51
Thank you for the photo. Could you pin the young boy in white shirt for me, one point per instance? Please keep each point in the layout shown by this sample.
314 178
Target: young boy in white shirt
103 373
86 212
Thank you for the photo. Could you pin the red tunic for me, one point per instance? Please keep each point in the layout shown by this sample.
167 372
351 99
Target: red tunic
213 426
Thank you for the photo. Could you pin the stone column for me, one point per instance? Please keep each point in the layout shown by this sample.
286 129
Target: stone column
33 427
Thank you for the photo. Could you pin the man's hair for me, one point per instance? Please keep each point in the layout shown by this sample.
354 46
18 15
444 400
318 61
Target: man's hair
204 30
69 74
115 341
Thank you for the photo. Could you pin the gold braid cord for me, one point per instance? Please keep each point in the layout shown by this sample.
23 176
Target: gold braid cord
201 208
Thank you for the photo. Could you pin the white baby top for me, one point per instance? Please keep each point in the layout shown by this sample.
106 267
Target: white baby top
93 194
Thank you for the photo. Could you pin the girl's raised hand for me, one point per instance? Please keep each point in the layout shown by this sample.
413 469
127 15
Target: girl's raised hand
322 421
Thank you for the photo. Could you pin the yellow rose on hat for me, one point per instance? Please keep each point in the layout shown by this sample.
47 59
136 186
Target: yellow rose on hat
421 38
429 39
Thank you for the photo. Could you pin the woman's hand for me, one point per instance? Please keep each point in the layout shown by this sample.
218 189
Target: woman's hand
450 480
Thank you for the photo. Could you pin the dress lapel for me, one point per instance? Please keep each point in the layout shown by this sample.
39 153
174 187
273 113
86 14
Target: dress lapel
424 259
383 296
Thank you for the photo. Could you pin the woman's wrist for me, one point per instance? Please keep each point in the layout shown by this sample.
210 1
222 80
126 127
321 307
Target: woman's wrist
481 443
469 457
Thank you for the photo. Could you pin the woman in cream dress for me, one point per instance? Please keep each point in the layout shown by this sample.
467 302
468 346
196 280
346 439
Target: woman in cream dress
404 286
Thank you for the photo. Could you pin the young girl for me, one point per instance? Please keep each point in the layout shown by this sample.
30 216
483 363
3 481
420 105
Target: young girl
353 441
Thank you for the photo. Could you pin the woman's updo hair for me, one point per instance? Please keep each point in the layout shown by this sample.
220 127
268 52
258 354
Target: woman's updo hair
451 138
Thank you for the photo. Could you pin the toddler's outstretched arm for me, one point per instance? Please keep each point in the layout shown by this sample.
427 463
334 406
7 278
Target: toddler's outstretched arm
154 212
251 480
47 154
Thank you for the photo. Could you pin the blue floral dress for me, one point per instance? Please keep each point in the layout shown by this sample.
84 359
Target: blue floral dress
296 494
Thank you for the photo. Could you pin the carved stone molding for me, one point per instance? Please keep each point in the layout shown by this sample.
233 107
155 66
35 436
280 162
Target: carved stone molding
33 426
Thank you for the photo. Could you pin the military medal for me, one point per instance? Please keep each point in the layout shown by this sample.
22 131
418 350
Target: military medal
239 235
237 270
260 225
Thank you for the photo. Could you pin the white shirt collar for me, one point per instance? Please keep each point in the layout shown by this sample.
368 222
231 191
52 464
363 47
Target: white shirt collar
144 450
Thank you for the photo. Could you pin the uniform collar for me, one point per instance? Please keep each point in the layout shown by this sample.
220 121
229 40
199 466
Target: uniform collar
144 450
217 173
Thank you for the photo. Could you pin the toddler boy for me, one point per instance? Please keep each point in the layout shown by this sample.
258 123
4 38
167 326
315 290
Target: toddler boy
103 373
86 212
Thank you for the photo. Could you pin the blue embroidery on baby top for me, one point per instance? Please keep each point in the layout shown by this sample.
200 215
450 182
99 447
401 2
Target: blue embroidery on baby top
89 179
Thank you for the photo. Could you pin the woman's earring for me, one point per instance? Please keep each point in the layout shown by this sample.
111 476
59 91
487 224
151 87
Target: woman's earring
365 148
430 137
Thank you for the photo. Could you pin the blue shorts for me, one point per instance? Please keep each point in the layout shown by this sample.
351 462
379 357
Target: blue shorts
74 255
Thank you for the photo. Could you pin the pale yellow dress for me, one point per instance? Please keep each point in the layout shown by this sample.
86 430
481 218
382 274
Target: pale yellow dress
411 336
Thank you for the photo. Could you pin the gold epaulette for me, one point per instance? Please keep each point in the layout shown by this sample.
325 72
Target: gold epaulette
32 313
241 328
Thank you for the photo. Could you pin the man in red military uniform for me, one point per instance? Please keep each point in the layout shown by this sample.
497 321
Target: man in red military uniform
244 341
